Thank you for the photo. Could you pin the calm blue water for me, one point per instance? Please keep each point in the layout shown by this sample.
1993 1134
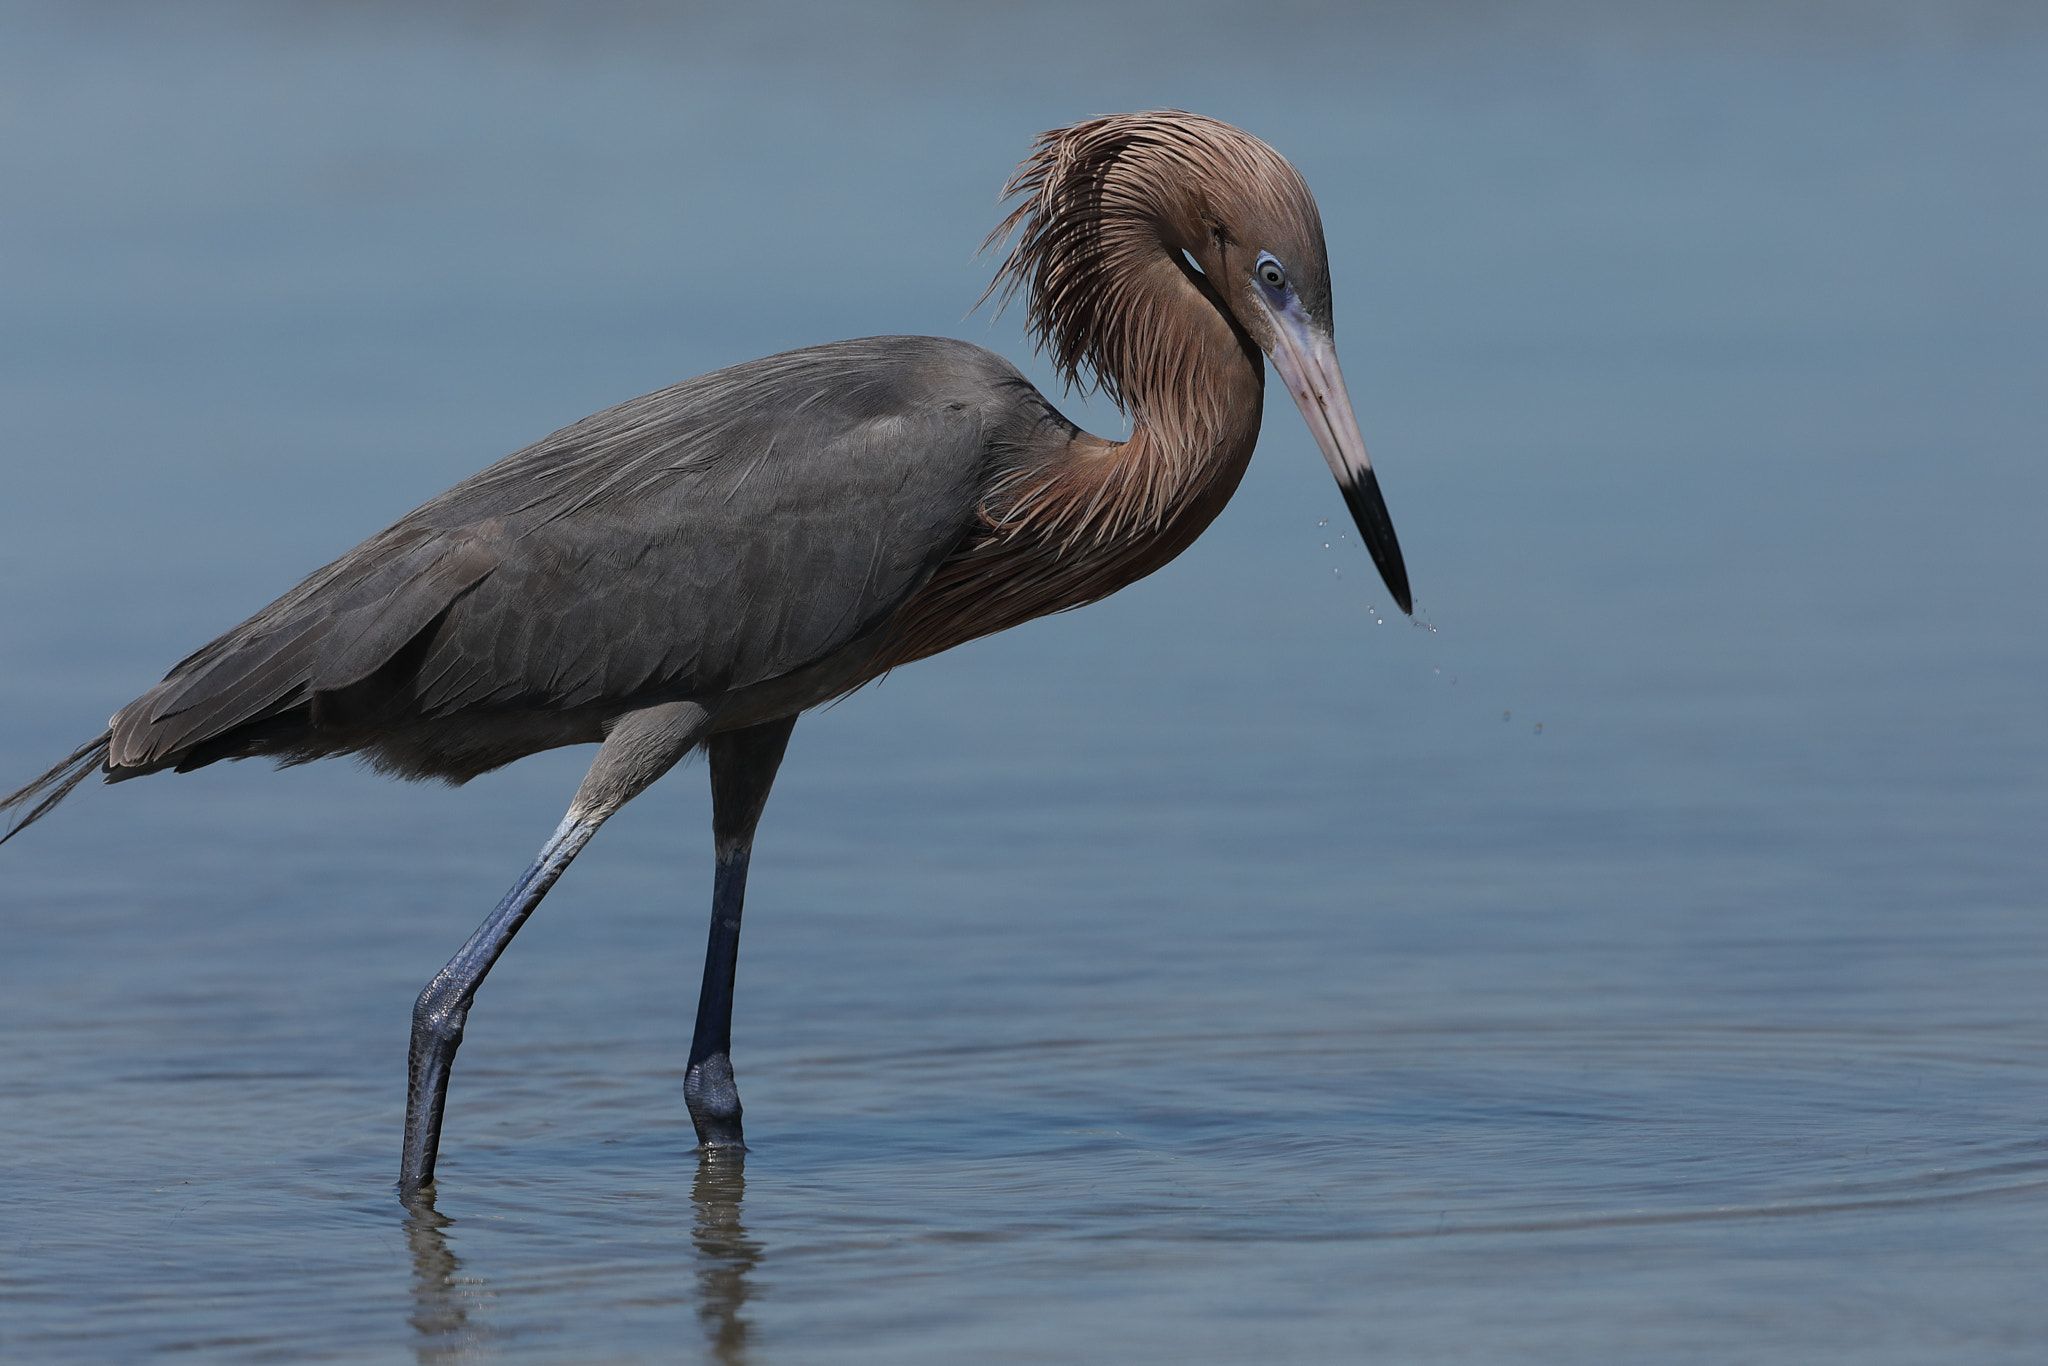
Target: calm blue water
1642 964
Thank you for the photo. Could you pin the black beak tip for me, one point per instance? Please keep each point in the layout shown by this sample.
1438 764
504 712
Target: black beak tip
1395 575
1397 583
1369 510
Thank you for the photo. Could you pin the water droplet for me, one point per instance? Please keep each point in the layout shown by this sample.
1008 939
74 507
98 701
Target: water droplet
1326 545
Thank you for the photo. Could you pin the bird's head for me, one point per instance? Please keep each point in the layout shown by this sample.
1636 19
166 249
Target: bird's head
1111 202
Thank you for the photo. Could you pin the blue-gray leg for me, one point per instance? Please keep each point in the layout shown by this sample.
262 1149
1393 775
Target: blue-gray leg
639 747
743 765
442 1010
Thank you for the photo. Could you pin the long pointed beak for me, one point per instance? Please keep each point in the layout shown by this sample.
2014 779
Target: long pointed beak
1307 363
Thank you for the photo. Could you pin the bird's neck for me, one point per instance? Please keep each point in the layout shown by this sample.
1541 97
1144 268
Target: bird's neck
1073 525
1194 385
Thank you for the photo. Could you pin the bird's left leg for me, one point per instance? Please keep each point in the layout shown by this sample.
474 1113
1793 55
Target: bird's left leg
743 765
639 747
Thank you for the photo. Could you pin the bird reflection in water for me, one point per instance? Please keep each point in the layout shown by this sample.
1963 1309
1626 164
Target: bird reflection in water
445 1303
442 1300
726 1256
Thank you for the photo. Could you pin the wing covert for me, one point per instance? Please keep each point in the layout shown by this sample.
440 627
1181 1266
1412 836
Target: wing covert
719 533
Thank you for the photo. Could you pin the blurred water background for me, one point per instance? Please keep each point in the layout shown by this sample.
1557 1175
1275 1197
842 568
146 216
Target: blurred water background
1642 962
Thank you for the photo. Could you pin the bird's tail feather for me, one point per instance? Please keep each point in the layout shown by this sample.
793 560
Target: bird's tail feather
56 785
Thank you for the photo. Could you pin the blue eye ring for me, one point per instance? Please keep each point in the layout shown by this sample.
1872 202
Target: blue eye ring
1270 273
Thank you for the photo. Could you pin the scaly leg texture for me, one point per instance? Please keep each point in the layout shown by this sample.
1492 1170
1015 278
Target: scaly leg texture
640 747
743 765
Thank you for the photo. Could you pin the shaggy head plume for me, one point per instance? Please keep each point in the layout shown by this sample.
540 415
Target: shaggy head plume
1106 201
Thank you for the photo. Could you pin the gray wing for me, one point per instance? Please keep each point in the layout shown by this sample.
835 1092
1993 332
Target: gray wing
723 532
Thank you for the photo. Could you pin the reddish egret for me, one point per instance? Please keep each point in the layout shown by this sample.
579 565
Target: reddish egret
698 566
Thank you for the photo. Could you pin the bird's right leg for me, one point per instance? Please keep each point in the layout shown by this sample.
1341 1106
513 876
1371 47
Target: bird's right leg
639 747
743 764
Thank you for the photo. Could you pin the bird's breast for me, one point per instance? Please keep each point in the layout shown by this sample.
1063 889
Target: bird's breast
1065 533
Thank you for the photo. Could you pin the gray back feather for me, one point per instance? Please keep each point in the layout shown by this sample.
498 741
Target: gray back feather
722 532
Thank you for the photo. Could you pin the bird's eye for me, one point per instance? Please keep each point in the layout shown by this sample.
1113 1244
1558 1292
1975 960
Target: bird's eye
1271 273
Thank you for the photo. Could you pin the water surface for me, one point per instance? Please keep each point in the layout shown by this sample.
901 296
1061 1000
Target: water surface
1641 962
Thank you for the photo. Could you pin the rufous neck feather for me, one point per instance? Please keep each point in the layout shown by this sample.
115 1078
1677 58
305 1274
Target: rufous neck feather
1120 308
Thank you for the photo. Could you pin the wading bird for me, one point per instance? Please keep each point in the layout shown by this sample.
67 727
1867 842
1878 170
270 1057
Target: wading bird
698 566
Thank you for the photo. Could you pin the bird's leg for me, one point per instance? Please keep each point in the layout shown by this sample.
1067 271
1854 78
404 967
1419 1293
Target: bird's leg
639 747
743 764
443 1007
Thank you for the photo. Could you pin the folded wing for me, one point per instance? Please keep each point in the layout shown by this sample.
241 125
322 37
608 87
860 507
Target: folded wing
720 533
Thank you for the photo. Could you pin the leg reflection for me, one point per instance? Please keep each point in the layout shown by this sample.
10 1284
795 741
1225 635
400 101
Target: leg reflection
726 1256
441 1299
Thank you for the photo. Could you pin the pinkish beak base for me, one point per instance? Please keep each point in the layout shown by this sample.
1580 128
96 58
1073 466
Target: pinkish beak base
1307 362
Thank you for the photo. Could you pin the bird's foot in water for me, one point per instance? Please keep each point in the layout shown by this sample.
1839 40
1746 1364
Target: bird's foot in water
714 1101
